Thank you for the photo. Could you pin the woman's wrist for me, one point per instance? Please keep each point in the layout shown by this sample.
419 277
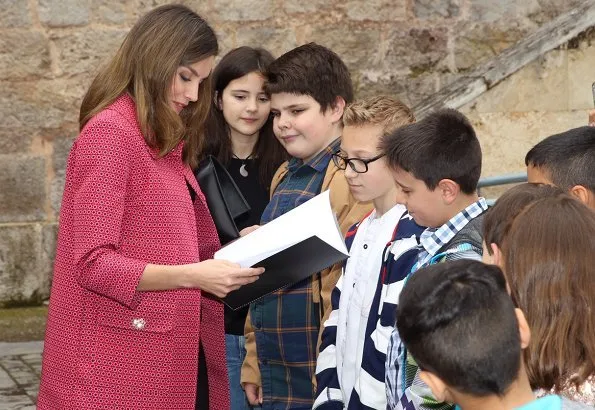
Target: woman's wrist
187 275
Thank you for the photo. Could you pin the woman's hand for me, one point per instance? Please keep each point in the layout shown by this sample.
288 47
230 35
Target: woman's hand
219 277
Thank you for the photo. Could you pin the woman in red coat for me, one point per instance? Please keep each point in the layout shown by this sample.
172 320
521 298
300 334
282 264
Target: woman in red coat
130 301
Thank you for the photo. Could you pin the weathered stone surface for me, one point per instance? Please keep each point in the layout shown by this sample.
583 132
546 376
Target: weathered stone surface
22 197
62 13
59 159
477 42
539 86
550 9
435 9
226 39
20 274
42 104
110 12
419 88
488 10
23 53
83 52
16 109
16 140
581 62
246 10
348 43
56 192
410 90
374 82
61 150
306 6
140 7
506 137
277 41
415 51
49 238
15 13
377 10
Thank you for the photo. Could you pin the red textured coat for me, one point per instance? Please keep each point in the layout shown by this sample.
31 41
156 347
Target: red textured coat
108 346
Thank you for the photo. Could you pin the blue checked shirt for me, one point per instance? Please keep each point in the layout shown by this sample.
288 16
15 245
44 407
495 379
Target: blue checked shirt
287 322
404 389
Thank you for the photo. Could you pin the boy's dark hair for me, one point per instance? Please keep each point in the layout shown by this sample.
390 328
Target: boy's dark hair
443 145
311 70
568 158
499 218
458 322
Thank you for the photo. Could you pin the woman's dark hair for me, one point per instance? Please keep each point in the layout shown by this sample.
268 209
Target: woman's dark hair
216 140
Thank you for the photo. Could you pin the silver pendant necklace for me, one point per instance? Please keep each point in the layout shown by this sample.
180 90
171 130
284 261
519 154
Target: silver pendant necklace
243 170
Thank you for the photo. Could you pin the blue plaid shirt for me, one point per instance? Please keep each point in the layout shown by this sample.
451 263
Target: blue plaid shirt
287 322
403 389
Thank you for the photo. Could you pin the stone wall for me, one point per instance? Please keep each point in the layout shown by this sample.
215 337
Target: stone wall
548 96
50 50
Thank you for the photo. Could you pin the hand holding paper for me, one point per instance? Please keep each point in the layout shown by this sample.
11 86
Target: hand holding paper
292 247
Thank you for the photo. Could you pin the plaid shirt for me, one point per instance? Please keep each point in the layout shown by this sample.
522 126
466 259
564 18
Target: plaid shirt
287 322
404 389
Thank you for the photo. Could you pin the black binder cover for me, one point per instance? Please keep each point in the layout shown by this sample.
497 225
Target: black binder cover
287 267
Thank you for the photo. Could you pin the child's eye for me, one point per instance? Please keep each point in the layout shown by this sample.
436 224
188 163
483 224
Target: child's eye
184 78
240 97
263 99
275 113
297 111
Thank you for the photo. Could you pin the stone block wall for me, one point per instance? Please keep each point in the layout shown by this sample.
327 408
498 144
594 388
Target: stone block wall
50 50
548 96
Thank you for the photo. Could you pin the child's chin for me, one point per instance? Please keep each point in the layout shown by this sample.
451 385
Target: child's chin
360 196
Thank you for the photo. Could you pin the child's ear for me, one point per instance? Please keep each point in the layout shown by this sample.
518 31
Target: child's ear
524 330
449 190
435 383
583 194
496 254
337 109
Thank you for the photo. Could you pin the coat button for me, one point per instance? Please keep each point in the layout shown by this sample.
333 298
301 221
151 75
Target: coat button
138 324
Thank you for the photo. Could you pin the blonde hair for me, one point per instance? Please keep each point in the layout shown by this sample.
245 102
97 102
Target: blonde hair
382 110
164 39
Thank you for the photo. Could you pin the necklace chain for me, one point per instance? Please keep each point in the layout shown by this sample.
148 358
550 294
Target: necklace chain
241 159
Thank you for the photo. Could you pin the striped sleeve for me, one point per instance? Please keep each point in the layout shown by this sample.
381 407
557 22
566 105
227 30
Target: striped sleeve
328 390
419 397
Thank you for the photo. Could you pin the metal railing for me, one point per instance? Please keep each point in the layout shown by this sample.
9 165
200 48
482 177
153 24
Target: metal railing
497 180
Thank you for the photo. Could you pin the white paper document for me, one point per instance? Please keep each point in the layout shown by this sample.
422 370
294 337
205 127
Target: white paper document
313 218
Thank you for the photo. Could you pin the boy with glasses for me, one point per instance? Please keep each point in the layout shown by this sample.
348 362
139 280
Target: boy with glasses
382 249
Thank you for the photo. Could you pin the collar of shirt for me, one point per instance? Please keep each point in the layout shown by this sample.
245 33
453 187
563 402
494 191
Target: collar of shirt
434 239
320 162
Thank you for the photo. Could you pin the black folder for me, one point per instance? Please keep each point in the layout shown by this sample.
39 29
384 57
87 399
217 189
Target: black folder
285 268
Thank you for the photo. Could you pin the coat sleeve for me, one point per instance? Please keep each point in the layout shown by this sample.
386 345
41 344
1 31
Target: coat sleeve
328 389
250 371
100 166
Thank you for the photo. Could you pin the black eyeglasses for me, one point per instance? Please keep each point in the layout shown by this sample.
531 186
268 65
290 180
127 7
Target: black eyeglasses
357 164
